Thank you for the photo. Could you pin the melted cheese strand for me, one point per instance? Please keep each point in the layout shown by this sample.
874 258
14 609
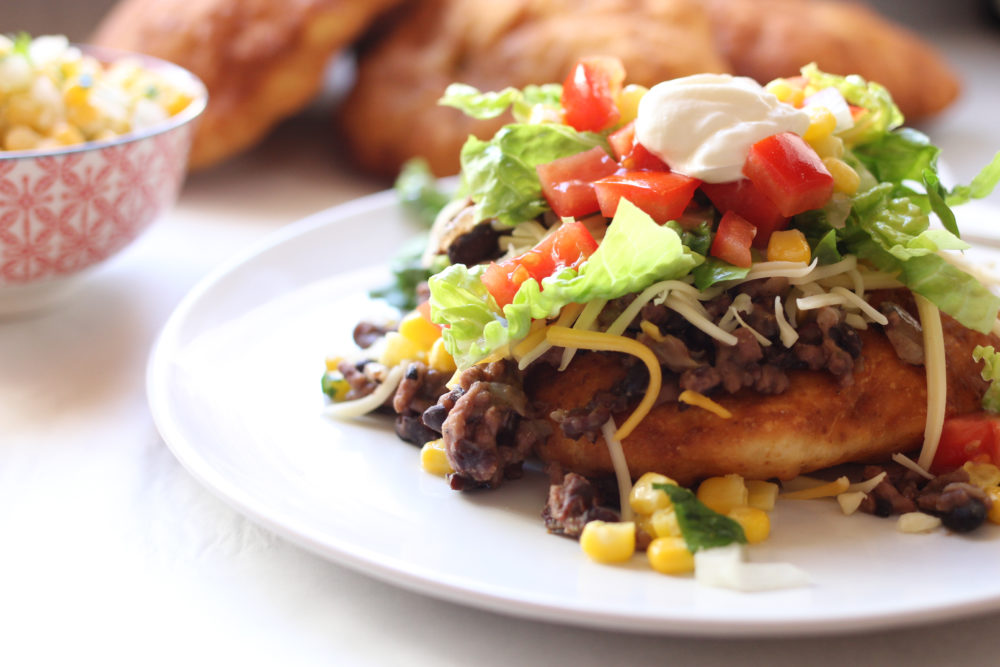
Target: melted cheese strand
786 331
583 323
366 404
620 464
596 340
937 381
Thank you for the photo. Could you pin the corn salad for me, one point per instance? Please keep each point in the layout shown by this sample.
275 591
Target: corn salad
53 95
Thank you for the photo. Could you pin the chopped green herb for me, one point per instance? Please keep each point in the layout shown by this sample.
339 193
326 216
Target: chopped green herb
702 528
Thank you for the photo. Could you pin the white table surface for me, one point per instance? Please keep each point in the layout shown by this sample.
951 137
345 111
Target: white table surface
110 553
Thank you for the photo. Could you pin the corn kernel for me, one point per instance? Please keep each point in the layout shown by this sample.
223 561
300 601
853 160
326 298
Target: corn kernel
440 359
419 330
628 102
21 110
607 542
335 385
756 523
829 146
722 494
822 123
433 458
644 499
983 475
788 245
663 523
845 179
994 495
75 95
670 555
333 363
761 494
66 135
786 92
398 348
21 138
82 115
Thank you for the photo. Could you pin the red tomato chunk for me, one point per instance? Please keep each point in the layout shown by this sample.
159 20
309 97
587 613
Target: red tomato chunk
964 438
744 198
567 247
567 182
662 194
589 92
789 172
732 240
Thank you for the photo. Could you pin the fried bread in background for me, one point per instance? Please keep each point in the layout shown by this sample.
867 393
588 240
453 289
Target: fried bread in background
392 112
816 423
261 60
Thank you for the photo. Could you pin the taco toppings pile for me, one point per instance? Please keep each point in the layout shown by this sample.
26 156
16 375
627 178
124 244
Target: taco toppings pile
684 301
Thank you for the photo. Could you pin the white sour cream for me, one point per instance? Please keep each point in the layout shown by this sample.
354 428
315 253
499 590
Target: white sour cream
704 125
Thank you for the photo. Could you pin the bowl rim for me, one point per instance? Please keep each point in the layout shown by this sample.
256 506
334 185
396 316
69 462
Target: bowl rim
108 55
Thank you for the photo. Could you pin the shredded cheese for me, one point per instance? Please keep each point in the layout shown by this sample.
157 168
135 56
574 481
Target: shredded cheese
937 380
834 488
689 313
366 404
595 340
568 314
651 330
620 464
862 305
583 323
867 485
855 321
704 402
791 270
907 462
786 331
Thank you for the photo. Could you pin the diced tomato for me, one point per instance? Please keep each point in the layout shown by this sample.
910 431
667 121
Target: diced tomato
744 198
789 172
622 140
732 240
662 194
589 92
641 159
974 437
567 182
567 247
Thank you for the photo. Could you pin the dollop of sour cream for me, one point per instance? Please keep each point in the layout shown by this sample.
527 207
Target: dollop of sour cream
704 125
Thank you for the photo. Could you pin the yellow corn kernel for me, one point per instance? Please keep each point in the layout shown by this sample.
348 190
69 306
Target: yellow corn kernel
983 475
822 122
663 523
628 101
82 115
335 385
433 458
176 102
845 179
440 359
829 146
418 329
398 348
332 363
75 95
66 135
670 555
21 138
605 542
994 495
761 494
722 494
788 245
21 109
756 523
644 499
786 92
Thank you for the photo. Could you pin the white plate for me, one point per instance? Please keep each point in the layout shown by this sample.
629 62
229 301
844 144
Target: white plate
233 384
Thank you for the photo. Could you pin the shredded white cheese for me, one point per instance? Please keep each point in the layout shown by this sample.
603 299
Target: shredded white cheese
862 305
583 323
366 404
622 474
786 331
697 319
937 380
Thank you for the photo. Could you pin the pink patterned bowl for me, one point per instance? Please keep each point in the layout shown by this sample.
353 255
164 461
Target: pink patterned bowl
64 211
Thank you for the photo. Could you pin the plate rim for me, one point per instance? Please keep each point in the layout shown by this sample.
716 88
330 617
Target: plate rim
388 569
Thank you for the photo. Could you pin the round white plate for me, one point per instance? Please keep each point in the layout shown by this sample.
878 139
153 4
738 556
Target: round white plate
234 387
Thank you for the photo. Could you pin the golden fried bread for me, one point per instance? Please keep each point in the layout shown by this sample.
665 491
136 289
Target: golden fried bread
767 39
392 113
815 424
261 60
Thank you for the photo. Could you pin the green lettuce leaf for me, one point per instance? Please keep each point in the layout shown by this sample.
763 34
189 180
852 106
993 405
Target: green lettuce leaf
418 192
982 184
990 373
897 156
477 104
635 253
882 113
499 174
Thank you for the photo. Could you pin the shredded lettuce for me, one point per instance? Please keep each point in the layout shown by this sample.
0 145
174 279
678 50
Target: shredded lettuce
990 373
499 175
418 192
635 253
477 104
881 113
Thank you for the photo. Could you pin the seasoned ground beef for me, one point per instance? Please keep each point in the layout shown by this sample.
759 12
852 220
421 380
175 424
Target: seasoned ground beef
961 506
419 389
572 503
